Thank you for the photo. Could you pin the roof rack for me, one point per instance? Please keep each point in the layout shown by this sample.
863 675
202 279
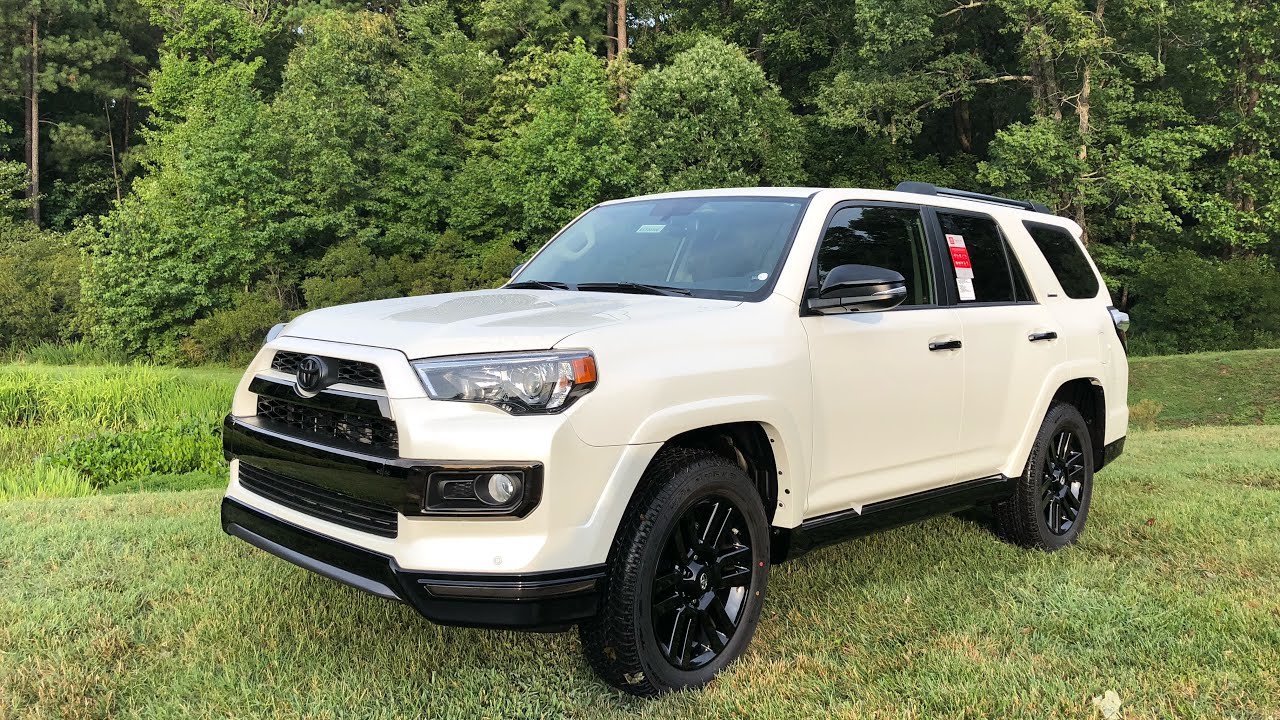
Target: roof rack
920 188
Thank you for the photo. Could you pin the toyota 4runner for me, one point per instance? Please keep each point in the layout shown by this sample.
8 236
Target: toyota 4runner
675 393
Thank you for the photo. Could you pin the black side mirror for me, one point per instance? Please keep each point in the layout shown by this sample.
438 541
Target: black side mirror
516 270
859 288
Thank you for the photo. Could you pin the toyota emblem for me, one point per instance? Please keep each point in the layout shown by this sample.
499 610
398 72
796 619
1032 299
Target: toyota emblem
313 376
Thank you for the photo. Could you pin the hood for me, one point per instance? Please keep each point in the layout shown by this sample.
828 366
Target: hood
486 320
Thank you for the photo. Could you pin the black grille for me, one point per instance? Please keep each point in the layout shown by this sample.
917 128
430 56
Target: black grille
320 502
327 425
352 372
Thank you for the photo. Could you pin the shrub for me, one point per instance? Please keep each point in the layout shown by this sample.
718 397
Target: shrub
1186 303
233 335
39 286
121 457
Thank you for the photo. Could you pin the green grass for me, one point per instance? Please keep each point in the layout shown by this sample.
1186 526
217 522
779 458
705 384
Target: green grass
65 430
134 604
1224 388
138 606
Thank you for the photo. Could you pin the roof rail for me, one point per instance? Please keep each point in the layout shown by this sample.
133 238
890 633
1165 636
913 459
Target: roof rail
920 188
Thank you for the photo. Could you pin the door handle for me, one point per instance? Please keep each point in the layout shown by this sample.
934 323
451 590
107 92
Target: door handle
945 345
1037 337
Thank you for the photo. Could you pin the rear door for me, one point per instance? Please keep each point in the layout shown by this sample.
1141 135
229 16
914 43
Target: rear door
886 407
1011 342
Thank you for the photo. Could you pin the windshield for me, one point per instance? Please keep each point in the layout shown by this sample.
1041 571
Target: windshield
713 247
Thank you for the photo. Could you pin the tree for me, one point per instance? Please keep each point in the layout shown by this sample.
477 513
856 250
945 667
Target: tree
711 119
566 154
77 65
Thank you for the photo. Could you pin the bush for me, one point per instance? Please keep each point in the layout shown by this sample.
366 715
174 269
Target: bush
235 334
1184 303
39 286
123 457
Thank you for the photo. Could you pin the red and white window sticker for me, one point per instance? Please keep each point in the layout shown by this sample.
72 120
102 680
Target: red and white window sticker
964 268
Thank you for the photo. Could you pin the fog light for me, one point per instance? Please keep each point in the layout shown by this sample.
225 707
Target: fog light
498 488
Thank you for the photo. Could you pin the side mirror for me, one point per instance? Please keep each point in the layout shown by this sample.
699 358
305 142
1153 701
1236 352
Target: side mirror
516 270
859 288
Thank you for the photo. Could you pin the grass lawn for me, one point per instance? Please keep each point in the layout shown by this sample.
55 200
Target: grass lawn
134 604
138 606
1226 388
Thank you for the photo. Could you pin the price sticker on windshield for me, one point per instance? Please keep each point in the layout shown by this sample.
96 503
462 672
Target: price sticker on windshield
960 256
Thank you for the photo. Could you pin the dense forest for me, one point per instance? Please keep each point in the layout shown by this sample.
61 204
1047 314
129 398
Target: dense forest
178 175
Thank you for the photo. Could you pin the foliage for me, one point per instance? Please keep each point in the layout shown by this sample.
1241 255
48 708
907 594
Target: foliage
1187 303
116 457
712 119
234 334
71 430
78 352
39 286
200 153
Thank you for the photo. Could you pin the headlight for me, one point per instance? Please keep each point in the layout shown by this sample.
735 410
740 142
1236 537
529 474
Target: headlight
520 383
275 331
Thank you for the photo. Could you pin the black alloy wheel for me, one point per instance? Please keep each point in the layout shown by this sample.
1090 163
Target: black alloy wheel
686 576
1062 483
701 583
1050 500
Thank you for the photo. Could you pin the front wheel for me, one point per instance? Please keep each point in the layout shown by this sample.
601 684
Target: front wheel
686 577
1051 500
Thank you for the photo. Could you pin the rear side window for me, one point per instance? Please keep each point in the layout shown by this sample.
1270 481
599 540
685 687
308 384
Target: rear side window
992 274
1067 260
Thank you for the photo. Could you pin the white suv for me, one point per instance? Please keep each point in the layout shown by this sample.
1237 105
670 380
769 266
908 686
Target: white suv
675 393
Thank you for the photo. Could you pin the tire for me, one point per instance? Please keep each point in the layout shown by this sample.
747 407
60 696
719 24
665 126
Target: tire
1051 499
679 605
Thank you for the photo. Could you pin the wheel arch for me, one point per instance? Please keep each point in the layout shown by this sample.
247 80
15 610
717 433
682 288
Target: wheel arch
1087 395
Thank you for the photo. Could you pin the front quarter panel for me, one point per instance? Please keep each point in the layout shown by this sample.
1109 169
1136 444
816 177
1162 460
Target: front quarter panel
746 363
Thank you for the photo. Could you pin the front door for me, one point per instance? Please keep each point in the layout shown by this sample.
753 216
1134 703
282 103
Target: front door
887 385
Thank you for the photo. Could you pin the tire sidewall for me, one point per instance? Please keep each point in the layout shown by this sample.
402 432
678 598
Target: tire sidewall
1062 417
690 486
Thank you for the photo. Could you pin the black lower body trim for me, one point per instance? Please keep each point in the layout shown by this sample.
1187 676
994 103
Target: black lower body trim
847 524
533 601
1111 451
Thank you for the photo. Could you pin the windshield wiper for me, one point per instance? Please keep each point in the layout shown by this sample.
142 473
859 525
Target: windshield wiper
538 284
636 287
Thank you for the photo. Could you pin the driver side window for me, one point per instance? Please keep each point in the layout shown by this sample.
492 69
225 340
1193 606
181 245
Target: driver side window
887 237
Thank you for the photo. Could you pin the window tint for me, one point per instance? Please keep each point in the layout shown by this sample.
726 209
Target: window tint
891 238
996 275
1067 260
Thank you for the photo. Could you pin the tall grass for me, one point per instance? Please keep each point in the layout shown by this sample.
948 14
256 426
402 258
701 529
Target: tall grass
76 353
108 426
42 480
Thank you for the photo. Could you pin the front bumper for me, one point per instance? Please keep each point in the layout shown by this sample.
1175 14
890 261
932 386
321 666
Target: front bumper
372 499
531 601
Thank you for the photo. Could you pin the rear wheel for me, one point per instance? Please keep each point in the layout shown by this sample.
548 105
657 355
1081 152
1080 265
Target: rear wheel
1051 500
686 577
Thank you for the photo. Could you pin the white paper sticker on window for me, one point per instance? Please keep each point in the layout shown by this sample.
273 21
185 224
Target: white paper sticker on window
650 228
965 286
